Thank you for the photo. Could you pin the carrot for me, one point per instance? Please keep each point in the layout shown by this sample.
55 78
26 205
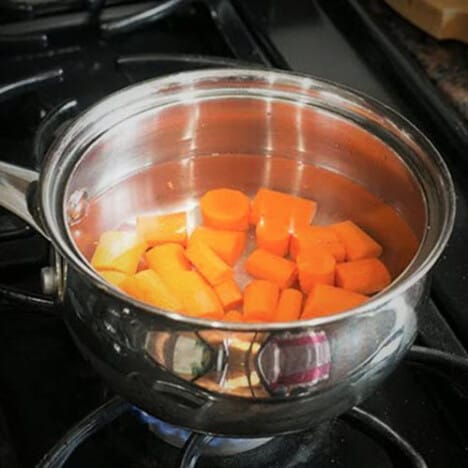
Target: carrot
196 295
302 213
289 306
212 268
229 294
357 243
148 287
366 276
229 245
159 229
225 209
113 277
167 260
316 266
327 300
267 266
119 251
260 299
233 316
273 235
310 237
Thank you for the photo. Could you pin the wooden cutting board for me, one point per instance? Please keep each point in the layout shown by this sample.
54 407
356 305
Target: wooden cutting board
443 19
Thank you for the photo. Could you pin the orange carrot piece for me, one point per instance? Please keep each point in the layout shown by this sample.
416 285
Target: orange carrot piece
289 306
273 236
316 266
310 237
119 251
233 316
357 243
148 287
260 300
366 276
225 209
229 245
302 213
160 229
197 296
267 266
229 294
167 260
326 300
211 267
113 277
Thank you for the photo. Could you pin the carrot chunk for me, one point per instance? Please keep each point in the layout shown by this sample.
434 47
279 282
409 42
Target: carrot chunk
302 213
167 260
113 277
311 237
260 300
267 266
225 209
289 306
119 251
366 276
212 268
159 229
229 294
327 300
273 235
148 287
316 266
233 316
357 243
229 245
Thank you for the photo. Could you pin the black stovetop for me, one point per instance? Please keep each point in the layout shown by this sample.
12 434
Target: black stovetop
56 58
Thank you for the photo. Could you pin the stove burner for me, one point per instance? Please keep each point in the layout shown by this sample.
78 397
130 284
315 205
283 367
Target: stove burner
179 437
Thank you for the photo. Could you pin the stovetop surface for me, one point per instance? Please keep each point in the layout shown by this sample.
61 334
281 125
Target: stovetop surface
45 386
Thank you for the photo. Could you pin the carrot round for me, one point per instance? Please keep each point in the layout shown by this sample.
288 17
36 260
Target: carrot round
233 316
310 237
159 229
229 294
229 245
225 209
273 235
316 266
260 300
148 287
212 268
113 277
358 244
327 300
167 260
119 251
267 266
289 306
366 276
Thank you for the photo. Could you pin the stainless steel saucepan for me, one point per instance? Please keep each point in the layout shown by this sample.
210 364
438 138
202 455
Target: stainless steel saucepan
161 144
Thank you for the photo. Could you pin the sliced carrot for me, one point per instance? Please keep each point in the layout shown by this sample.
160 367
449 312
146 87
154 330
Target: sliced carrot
119 251
289 306
234 316
229 294
310 237
167 260
302 213
225 209
148 287
327 300
113 277
267 266
357 243
197 296
273 235
211 267
229 245
160 229
366 276
260 300
316 266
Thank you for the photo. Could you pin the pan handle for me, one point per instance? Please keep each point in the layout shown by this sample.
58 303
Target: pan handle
16 184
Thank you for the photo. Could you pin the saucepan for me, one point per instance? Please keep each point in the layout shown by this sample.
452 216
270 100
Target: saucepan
163 143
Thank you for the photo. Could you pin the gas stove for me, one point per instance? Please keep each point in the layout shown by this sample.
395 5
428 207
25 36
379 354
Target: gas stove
59 57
